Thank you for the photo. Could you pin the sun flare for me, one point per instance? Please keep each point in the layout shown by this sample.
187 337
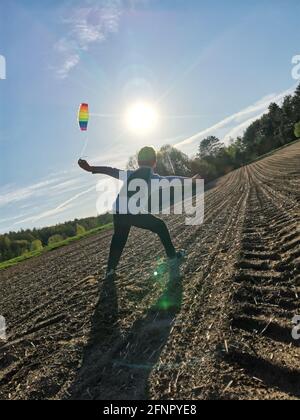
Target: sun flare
141 118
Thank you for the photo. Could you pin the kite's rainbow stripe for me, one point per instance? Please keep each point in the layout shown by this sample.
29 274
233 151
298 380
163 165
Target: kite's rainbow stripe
83 117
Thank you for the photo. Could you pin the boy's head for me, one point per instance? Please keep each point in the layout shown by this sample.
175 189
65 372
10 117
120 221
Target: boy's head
147 157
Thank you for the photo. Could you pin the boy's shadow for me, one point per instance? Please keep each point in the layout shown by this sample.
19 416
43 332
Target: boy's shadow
117 367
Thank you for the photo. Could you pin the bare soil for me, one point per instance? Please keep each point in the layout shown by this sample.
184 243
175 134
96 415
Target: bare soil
222 332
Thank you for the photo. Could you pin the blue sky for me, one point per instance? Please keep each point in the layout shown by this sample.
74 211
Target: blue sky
210 67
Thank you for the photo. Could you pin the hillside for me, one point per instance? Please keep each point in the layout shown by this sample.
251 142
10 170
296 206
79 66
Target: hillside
230 337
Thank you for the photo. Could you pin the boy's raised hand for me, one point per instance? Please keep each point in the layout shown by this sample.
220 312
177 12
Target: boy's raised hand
84 165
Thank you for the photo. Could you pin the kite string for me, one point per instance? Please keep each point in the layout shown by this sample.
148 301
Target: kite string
170 162
84 146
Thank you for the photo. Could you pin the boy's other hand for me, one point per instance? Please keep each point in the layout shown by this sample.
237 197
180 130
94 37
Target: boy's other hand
84 165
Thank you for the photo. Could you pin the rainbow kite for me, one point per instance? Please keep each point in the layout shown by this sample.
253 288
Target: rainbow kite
83 117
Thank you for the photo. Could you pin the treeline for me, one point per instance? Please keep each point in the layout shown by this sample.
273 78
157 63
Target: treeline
15 244
278 127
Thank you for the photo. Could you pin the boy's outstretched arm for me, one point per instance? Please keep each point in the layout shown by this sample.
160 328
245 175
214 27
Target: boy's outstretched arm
103 170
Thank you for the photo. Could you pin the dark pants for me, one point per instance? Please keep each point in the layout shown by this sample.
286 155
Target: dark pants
123 224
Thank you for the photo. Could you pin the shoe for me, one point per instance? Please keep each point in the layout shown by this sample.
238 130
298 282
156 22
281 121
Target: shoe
179 258
180 255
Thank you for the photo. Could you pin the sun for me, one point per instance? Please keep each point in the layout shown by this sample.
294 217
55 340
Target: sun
141 118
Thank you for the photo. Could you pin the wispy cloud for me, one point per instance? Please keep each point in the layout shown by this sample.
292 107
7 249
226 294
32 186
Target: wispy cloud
70 62
57 209
86 25
235 124
11 195
11 219
239 129
41 199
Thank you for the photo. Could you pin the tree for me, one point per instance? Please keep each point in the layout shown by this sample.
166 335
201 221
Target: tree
5 248
204 168
287 122
172 161
36 245
80 230
251 139
297 130
296 105
54 239
209 147
20 247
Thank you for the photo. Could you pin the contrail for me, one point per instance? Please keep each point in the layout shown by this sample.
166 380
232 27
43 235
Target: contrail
260 106
162 117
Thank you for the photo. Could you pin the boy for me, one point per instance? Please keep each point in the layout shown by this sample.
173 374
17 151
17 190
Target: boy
147 160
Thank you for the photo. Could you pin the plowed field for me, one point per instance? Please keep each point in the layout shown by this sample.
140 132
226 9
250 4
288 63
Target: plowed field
72 335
